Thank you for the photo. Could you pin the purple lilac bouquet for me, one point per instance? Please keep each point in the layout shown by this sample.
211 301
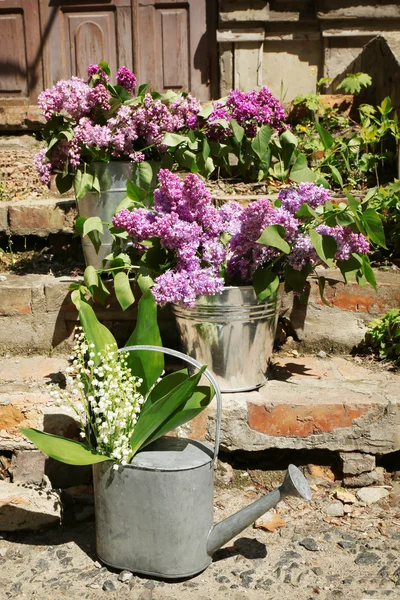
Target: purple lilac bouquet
240 125
93 120
193 248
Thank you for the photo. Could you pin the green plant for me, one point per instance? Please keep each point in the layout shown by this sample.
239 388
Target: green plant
353 82
386 201
123 404
383 336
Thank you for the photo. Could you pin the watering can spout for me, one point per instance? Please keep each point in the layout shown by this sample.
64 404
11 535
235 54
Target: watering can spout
295 484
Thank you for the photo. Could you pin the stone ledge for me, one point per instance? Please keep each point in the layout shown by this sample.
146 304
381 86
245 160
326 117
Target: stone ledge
325 404
38 217
37 315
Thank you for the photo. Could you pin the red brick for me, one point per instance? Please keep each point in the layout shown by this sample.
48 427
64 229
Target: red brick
15 300
301 421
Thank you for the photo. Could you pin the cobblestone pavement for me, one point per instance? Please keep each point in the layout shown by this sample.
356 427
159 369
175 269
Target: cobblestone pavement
310 555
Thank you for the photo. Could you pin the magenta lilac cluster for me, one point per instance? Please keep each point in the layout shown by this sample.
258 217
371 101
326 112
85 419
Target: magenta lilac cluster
122 134
210 247
250 110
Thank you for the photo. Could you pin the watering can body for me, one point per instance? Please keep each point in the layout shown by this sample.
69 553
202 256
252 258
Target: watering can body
154 515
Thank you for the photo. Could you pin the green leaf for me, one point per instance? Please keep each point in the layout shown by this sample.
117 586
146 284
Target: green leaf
206 111
163 387
91 277
306 211
96 332
373 226
273 236
159 412
64 183
92 224
62 449
174 139
123 290
353 82
145 174
206 150
265 283
186 412
386 106
134 192
237 130
300 171
326 138
295 279
260 142
368 272
83 183
144 363
336 174
321 287
325 246
350 267
142 88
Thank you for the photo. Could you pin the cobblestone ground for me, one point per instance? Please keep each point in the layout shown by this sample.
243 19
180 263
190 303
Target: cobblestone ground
309 555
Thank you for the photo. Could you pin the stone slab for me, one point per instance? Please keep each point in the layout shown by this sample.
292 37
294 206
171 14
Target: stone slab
313 404
27 508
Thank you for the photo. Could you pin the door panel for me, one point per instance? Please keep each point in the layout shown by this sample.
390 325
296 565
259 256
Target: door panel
81 33
172 50
20 60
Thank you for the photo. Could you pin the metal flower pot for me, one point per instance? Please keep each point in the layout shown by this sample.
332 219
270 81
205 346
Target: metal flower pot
232 334
113 177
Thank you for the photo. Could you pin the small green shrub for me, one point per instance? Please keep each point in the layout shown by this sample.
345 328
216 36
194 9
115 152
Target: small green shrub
383 336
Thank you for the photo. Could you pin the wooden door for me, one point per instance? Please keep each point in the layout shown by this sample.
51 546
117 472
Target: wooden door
77 33
21 75
173 49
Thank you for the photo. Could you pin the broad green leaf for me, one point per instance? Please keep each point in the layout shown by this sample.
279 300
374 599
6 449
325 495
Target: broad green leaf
306 211
123 290
206 111
260 143
104 65
145 174
321 286
386 106
159 412
144 363
373 226
142 88
92 224
265 283
96 332
188 411
368 272
350 267
295 279
64 183
300 171
125 203
326 138
134 192
325 246
164 386
174 139
62 449
336 174
237 130
91 277
287 138
273 235
83 183
205 149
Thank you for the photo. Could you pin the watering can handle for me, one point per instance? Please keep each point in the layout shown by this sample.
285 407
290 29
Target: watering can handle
198 365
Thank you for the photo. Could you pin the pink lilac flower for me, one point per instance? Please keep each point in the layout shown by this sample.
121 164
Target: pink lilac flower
302 253
306 193
347 241
126 79
100 97
72 96
186 109
43 166
153 120
100 72
231 217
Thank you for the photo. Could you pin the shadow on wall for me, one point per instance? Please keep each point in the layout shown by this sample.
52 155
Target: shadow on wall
383 65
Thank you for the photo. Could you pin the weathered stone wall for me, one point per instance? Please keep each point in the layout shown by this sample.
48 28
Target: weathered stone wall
289 45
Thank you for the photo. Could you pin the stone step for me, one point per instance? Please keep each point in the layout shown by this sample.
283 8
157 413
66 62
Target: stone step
39 217
37 315
338 404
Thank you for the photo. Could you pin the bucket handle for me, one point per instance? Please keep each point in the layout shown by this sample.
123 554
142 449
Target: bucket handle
198 365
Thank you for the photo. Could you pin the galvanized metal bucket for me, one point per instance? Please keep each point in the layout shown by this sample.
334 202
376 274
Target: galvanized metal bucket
154 515
231 333
113 177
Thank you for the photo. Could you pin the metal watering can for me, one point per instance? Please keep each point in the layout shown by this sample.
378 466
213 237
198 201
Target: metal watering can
155 515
